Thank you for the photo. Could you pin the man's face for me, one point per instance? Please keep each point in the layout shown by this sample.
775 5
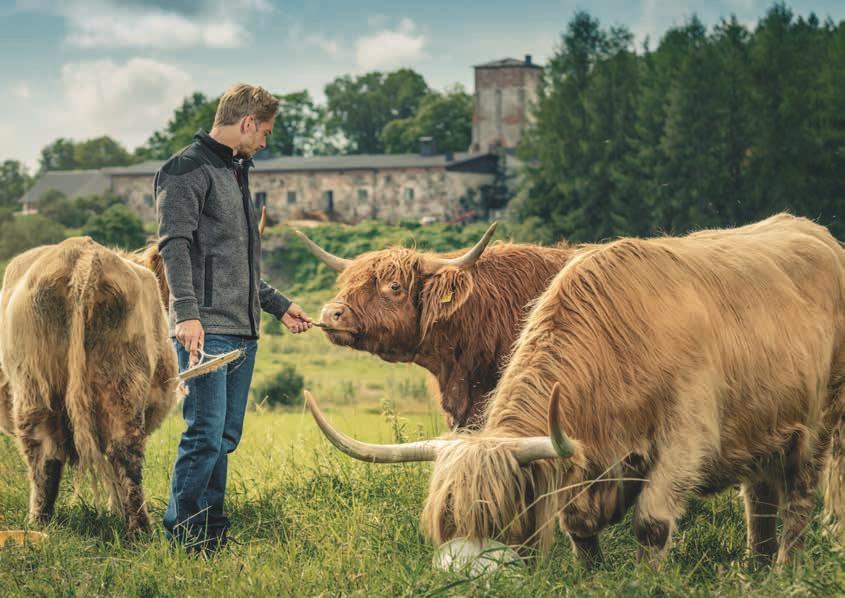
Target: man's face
253 135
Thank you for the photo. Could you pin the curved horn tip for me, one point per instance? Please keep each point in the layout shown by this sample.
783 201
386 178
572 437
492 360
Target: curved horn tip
562 445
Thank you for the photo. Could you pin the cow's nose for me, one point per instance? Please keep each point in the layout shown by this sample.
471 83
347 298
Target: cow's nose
333 312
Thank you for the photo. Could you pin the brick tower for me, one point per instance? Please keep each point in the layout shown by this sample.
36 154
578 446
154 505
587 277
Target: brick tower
504 92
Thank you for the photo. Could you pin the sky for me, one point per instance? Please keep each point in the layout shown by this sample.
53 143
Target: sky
83 68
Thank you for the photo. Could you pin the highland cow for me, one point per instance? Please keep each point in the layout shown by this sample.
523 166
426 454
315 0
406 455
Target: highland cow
457 315
87 370
648 372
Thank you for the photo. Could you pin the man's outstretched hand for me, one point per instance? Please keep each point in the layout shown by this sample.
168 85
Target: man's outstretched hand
296 320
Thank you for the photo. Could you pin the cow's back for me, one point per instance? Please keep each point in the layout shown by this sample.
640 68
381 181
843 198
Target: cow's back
122 352
748 322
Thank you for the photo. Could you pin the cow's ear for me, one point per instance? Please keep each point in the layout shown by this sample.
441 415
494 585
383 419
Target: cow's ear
443 294
151 258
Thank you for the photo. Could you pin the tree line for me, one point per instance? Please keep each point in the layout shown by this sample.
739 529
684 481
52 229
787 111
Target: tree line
709 129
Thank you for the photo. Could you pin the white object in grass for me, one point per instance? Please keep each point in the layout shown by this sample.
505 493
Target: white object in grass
477 557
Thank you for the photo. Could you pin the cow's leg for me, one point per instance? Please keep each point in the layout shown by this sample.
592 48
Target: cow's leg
761 511
663 500
796 508
45 460
126 456
587 549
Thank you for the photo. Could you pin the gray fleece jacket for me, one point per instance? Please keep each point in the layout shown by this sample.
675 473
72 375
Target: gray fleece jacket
208 237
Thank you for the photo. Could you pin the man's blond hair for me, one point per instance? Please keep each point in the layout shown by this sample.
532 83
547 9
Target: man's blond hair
244 100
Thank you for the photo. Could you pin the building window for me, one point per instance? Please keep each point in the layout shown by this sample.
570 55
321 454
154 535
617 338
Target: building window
386 179
291 197
148 200
328 200
409 193
362 195
260 199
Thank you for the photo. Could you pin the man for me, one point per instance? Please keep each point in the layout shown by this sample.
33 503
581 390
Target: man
209 240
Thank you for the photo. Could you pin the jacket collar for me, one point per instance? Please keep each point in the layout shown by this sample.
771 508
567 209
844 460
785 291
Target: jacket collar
222 151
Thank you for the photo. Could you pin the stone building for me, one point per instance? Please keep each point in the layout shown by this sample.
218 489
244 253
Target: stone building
389 187
504 93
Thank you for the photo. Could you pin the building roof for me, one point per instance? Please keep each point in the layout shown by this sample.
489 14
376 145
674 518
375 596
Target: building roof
508 62
318 163
70 183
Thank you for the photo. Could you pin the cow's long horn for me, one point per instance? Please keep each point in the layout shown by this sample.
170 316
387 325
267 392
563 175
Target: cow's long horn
466 260
338 264
553 446
422 450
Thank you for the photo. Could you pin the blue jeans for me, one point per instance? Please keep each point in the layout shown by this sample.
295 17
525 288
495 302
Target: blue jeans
214 414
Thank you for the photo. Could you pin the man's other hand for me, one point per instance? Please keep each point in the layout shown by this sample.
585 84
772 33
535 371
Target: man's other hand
192 337
296 320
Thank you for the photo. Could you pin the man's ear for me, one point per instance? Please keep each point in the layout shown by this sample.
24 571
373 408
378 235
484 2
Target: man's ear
443 294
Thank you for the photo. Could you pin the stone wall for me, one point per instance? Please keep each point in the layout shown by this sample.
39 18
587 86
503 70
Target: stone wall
388 194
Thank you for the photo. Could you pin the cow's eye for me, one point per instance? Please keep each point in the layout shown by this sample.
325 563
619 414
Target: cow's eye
395 287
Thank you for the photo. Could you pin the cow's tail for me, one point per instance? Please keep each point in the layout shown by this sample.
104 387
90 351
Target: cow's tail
86 275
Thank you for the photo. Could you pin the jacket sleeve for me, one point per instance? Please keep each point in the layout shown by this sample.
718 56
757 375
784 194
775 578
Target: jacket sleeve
180 188
272 301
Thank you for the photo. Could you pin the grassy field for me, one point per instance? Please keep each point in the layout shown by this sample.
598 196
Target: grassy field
311 522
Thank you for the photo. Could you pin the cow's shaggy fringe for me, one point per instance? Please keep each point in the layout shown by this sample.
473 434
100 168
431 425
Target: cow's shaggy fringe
713 359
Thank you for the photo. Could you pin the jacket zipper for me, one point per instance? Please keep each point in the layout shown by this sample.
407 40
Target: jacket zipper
244 200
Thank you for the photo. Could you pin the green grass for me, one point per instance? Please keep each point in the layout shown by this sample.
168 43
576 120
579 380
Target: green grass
313 522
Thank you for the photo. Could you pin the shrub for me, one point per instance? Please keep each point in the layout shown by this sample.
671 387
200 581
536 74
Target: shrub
74 213
117 226
285 389
25 232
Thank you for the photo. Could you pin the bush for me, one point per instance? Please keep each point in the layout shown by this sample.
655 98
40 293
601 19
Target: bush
25 232
117 226
284 390
74 213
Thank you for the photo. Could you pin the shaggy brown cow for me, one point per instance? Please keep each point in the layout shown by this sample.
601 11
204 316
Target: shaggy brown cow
455 315
88 370
693 363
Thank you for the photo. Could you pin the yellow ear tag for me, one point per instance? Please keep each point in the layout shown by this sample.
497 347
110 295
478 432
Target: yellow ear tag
446 298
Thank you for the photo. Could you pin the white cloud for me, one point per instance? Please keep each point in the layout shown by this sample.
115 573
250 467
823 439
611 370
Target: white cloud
156 30
154 24
125 101
22 91
390 49
328 46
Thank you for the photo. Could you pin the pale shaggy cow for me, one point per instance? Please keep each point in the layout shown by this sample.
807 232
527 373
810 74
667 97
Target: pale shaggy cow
87 370
694 363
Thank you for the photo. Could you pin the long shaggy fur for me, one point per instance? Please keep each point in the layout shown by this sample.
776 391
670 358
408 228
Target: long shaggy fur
86 367
458 324
697 362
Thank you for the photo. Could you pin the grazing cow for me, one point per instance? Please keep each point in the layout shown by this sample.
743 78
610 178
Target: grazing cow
456 315
87 370
690 363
